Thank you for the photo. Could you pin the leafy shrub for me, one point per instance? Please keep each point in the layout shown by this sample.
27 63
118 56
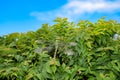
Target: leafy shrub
63 51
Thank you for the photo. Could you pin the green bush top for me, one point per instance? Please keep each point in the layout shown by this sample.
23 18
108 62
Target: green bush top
63 51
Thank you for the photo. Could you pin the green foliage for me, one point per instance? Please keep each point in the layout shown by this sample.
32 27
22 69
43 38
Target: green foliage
63 51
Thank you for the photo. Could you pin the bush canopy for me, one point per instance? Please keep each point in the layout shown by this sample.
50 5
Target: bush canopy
63 51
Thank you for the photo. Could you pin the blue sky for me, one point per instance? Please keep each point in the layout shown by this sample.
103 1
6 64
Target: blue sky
26 15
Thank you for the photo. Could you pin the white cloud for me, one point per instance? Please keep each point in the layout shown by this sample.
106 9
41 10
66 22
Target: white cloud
75 8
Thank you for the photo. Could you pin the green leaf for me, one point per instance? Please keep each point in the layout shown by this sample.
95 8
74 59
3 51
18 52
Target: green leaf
53 68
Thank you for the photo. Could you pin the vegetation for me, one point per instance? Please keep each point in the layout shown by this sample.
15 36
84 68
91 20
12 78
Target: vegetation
63 51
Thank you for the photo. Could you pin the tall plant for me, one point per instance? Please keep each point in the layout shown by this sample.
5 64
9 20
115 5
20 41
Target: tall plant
63 51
